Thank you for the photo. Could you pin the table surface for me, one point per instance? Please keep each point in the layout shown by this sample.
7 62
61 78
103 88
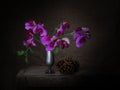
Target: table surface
35 76
88 75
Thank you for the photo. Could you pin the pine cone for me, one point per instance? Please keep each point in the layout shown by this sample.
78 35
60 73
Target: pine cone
67 65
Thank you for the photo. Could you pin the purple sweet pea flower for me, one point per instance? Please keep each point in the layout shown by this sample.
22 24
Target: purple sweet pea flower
30 25
64 25
62 28
39 29
29 42
64 42
81 35
51 46
45 40
35 28
81 32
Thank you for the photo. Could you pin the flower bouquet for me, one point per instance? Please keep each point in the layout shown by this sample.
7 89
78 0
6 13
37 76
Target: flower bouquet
36 32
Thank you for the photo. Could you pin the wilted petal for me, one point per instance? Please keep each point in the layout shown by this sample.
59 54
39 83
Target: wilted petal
65 44
29 35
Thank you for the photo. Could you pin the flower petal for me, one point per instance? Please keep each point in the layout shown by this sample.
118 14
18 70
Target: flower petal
45 40
64 25
30 25
51 46
85 29
59 33
66 39
80 41
29 35
29 42
33 44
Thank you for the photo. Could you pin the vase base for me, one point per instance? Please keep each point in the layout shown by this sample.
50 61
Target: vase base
50 72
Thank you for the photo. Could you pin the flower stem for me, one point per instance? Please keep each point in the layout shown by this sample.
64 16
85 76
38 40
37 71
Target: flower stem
27 49
68 35
26 57
37 38
26 54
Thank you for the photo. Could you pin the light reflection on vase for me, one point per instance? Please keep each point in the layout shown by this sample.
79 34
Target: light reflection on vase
50 62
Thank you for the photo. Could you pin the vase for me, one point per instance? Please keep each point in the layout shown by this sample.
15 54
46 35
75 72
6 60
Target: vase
49 62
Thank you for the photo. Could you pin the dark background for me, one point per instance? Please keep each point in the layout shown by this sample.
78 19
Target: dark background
98 57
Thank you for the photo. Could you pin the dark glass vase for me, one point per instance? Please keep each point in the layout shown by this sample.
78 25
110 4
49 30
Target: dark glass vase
50 62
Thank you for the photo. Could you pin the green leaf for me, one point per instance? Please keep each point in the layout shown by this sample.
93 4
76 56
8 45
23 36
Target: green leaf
20 53
56 50
31 50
